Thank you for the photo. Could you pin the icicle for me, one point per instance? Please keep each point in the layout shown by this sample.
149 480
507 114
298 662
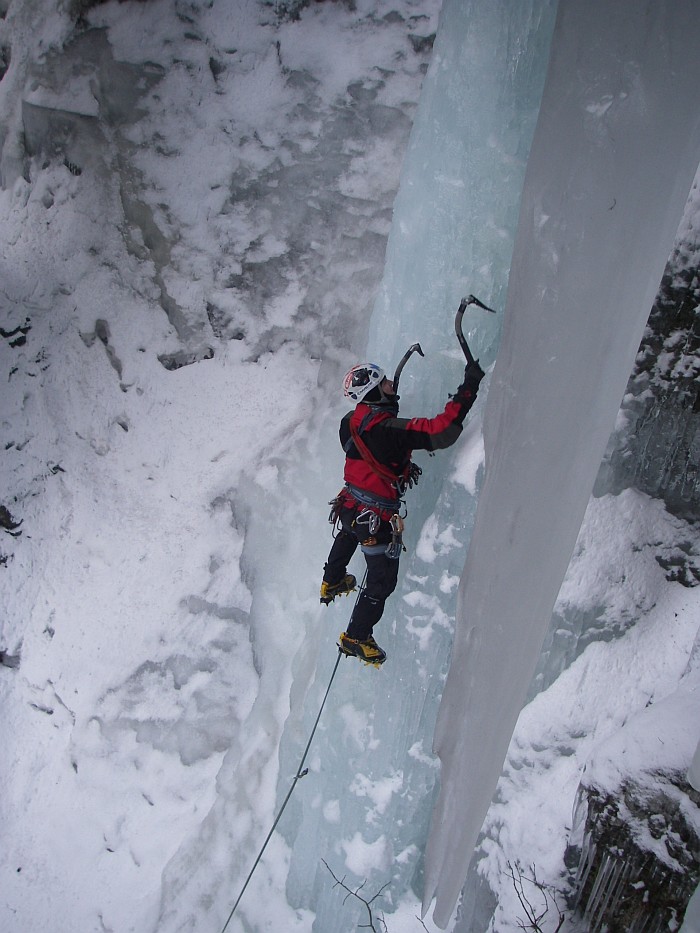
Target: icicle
580 808
621 876
586 860
596 895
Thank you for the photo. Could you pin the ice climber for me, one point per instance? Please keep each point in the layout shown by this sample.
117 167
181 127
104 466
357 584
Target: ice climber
378 470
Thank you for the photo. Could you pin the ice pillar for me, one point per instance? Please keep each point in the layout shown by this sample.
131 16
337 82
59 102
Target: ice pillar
691 922
616 147
694 770
457 208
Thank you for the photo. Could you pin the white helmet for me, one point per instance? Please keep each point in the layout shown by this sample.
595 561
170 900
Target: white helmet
361 379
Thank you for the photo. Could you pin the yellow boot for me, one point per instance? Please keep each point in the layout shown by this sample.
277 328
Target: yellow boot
367 651
330 590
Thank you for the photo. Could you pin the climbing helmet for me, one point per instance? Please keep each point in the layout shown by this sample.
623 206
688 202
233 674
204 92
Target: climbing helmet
361 379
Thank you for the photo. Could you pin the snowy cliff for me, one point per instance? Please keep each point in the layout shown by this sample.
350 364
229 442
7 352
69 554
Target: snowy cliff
197 200
195 204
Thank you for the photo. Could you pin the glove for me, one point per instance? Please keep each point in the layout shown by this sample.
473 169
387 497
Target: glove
473 374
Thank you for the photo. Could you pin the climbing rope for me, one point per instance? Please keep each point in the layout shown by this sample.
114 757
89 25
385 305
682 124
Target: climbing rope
301 772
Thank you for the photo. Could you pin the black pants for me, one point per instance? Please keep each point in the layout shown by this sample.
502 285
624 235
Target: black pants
382 571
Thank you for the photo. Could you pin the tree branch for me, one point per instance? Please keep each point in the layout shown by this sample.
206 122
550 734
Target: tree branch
368 903
548 896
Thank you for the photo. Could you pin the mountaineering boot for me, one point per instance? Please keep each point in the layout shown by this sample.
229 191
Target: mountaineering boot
330 590
367 651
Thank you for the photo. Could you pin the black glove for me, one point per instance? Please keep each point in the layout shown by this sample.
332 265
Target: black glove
473 374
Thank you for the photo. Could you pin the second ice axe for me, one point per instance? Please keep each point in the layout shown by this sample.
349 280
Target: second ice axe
463 305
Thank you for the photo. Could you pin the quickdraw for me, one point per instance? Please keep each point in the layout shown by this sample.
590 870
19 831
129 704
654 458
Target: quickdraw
396 546
371 519
334 514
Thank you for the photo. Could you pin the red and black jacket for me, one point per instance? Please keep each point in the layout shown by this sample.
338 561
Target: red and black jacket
378 462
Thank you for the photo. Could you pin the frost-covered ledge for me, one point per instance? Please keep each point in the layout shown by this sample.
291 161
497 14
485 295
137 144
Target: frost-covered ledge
640 854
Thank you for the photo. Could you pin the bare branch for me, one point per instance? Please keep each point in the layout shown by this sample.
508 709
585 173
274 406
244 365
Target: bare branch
547 893
350 893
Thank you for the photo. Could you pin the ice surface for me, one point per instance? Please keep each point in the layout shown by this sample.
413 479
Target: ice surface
452 233
691 921
612 161
456 209
694 770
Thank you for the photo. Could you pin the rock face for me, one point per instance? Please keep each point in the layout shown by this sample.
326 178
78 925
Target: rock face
624 886
657 445
639 861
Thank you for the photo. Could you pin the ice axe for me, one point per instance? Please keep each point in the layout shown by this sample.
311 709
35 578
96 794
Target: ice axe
414 348
463 305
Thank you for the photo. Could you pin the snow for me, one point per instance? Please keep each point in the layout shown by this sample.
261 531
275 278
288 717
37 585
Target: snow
163 650
570 732
128 595
362 858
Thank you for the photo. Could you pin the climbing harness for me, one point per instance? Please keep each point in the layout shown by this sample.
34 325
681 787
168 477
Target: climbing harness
301 772
374 502
369 520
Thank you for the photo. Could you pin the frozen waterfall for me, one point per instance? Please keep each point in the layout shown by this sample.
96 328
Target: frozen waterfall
366 810
457 206
196 200
614 154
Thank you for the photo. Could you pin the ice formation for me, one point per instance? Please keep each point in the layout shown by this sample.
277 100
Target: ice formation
691 921
694 770
191 247
614 154
452 233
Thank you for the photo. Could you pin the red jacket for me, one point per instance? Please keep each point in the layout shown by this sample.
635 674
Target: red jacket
390 441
